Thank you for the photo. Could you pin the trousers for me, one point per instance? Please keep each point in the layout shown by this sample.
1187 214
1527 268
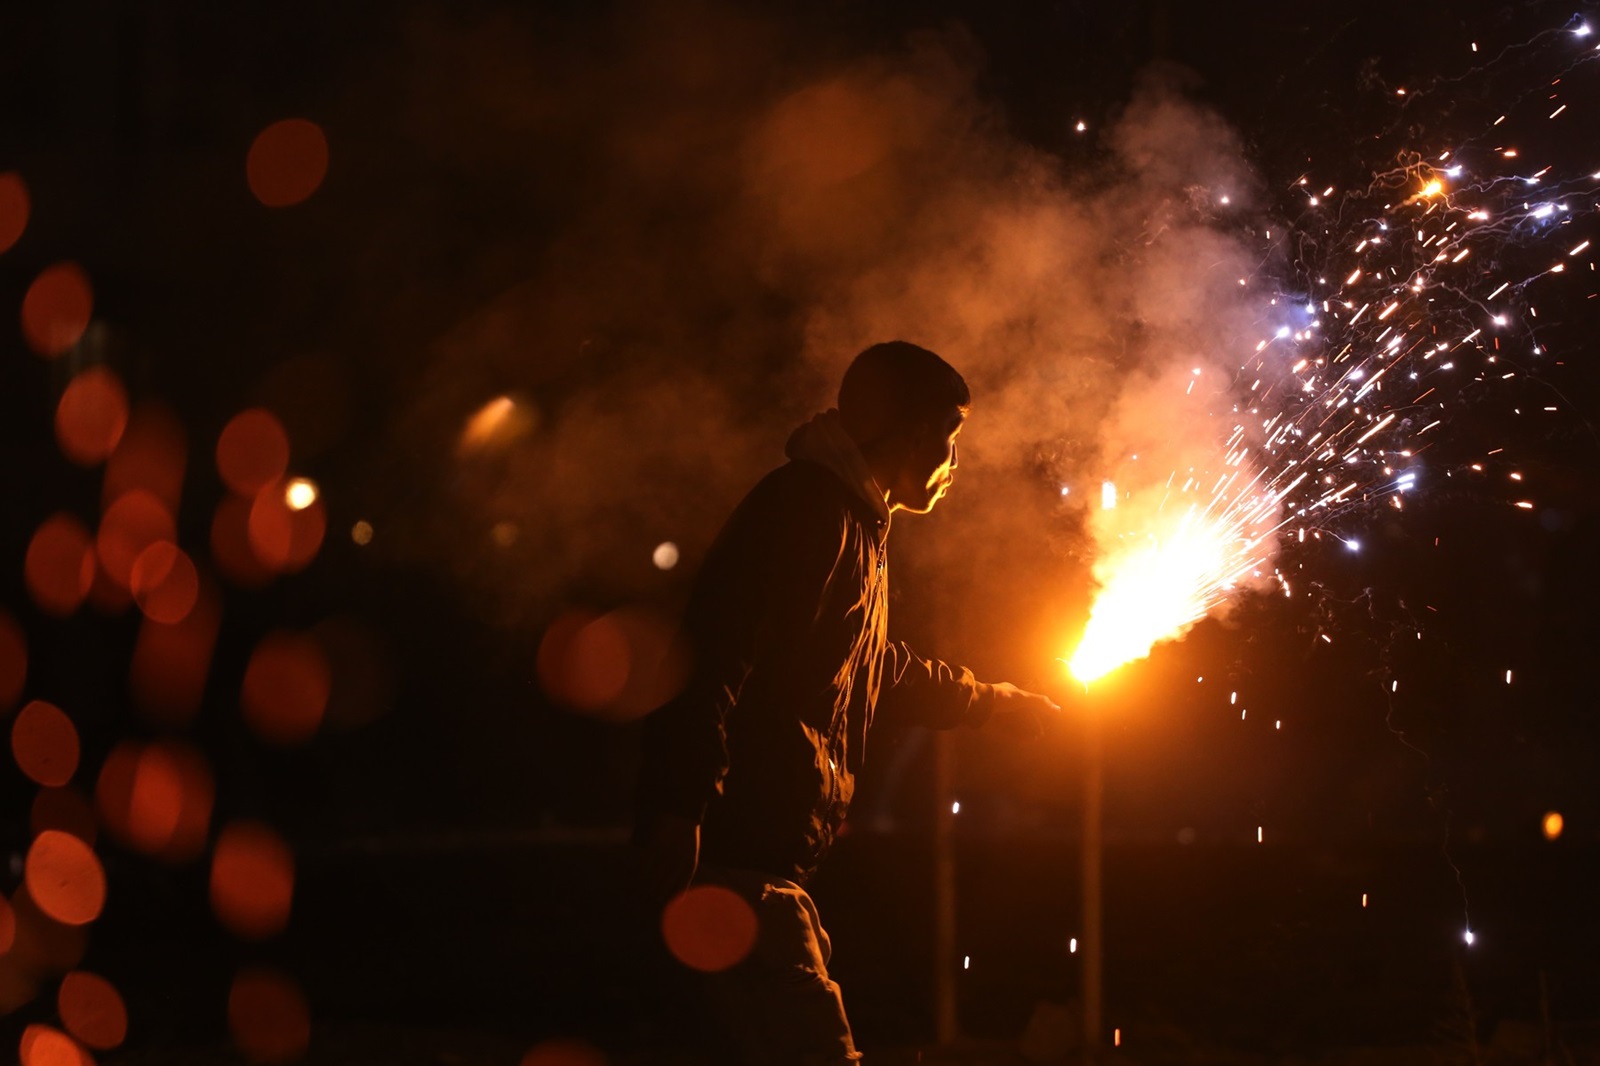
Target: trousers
779 1006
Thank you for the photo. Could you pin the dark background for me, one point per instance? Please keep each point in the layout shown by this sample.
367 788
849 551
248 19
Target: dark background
461 859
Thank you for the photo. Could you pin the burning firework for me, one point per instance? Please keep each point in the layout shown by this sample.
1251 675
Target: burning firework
1398 304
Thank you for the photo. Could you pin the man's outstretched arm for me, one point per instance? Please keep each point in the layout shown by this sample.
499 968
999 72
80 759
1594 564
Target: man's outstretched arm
931 693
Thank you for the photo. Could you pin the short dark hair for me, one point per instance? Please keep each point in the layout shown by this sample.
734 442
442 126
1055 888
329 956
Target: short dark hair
894 386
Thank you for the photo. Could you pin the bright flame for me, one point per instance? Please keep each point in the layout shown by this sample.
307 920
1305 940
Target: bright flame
300 494
1433 188
1156 589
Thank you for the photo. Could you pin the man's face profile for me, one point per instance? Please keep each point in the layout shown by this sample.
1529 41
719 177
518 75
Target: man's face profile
930 463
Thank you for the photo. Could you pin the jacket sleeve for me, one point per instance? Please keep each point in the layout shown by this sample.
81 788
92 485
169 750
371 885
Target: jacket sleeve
927 692
760 587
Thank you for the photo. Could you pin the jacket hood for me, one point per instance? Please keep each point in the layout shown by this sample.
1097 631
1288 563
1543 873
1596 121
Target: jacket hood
824 441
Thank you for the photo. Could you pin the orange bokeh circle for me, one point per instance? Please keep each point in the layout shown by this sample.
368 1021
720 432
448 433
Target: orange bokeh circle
252 880
14 208
59 566
286 686
709 928
44 1045
92 1010
268 1015
285 539
130 525
64 878
287 162
164 583
56 309
45 744
252 451
157 798
92 415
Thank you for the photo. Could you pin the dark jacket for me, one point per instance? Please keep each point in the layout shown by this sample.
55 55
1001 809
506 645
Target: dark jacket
788 624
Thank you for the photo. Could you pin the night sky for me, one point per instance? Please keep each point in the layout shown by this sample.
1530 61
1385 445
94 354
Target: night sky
568 276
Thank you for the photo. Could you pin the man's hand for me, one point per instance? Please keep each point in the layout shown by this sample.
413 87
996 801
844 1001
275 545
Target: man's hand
671 855
1019 711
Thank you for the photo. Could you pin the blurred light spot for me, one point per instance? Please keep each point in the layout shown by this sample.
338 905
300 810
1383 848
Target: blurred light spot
157 798
709 928
130 525
619 666
43 945
172 660
504 534
564 1053
231 552
252 880
268 1015
287 162
1072 946
64 809
152 456
1553 824
285 540
13 661
8 926
286 688
45 744
92 416
92 1010
665 556
1469 937
361 533
44 1045
57 308
14 209
1108 496
64 878
360 670
496 424
59 566
164 583
300 493
252 451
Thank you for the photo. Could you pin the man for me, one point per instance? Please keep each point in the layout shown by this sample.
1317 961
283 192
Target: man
749 772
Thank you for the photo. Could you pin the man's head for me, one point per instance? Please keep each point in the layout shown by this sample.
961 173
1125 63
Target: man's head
904 407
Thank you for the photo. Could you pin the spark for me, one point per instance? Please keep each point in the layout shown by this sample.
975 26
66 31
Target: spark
300 493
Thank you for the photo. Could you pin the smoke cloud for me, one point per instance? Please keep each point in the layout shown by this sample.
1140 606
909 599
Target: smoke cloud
718 218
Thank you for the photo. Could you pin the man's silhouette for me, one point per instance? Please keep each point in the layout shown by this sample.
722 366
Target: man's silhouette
748 773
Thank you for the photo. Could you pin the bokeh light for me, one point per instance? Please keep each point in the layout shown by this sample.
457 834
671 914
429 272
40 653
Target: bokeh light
287 162
65 809
268 1015
57 308
252 451
496 424
283 538
231 552
133 523
157 798
564 1053
300 493
92 416
286 685
1553 825
665 556
45 744
164 583
252 880
59 566
709 928
14 209
171 661
618 666
92 1010
13 661
64 878
44 945
8 926
361 533
152 456
45 1045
